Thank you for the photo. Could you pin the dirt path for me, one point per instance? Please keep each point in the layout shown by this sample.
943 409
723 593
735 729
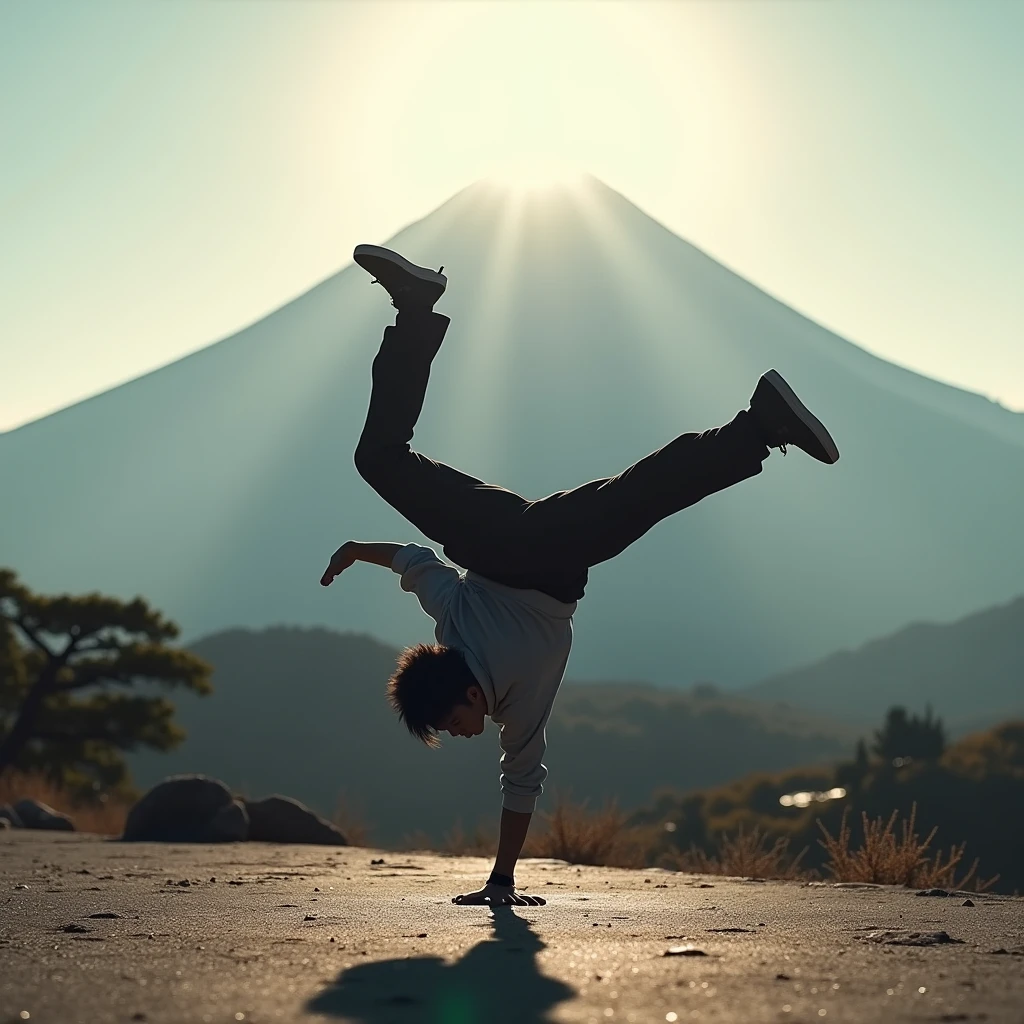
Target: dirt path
109 932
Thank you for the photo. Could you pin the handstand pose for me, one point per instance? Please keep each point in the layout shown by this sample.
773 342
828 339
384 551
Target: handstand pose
504 626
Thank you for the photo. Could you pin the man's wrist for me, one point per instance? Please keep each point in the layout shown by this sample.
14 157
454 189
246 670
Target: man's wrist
496 878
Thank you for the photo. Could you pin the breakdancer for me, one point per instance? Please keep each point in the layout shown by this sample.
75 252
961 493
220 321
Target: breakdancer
504 624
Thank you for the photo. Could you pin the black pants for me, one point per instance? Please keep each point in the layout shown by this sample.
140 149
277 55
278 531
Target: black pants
545 545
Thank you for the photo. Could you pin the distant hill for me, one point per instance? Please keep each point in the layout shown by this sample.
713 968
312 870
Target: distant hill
584 335
971 794
970 671
302 712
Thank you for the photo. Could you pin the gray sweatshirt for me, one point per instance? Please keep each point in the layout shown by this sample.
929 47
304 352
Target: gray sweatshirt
516 643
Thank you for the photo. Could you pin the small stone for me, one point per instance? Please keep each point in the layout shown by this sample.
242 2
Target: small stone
684 951
76 929
933 892
184 883
105 914
316 888
333 939
421 935
376 860
897 937
782 977
213 878
967 903
21 885
139 1016
309 917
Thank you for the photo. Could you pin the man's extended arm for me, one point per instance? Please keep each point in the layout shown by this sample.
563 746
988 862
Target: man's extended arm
352 551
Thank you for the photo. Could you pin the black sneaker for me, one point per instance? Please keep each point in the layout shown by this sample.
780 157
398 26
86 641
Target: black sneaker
783 419
410 287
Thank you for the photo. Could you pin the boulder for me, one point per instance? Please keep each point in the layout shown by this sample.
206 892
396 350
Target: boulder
280 819
10 815
230 824
187 809
36 814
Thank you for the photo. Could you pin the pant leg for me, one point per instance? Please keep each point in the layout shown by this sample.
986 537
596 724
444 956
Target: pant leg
451 508
565 533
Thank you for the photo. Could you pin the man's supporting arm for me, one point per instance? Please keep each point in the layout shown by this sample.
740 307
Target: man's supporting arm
514 827
377 552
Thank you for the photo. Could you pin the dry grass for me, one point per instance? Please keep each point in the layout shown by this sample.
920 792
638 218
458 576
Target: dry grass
888 859
456 842
105 818
580 836
746 855
350 819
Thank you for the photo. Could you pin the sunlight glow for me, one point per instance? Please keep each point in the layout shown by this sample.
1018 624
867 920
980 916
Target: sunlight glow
524 174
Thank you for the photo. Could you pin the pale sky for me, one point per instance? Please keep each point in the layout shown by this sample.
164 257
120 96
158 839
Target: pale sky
171 172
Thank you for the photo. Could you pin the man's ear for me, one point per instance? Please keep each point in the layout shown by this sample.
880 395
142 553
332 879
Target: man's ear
474 694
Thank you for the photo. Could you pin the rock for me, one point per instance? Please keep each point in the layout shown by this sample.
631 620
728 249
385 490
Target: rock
10 815
280 819
934 892
187 809
230 824
684 951
35 814
967 903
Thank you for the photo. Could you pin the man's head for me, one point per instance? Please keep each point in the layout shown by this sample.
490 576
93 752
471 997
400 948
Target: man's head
434 691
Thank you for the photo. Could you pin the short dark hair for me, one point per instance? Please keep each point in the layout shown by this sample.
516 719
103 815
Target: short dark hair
428 681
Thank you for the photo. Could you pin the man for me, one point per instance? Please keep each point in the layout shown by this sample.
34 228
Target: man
504 627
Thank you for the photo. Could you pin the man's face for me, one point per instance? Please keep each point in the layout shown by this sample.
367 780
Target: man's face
466 719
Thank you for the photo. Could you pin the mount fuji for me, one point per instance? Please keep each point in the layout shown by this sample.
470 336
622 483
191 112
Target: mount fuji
584 335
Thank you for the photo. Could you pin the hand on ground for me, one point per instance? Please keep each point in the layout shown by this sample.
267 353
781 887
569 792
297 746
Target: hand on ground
340 561
497 896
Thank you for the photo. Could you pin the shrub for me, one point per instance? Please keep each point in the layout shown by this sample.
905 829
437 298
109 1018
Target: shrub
746 854
885 859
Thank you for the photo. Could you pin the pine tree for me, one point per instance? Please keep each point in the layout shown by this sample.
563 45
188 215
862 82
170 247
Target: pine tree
68 666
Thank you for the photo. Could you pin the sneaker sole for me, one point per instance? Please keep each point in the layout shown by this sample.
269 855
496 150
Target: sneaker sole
379 252
809 420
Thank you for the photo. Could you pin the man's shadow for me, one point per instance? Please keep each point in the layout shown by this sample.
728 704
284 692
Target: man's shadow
497 982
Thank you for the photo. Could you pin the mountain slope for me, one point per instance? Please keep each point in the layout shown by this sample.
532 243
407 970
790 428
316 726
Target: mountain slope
584 335
970 671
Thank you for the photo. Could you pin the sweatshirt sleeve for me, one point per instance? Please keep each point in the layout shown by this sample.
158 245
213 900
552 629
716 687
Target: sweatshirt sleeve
425 575
523 741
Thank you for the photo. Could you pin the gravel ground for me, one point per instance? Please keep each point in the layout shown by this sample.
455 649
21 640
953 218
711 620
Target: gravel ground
99 931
